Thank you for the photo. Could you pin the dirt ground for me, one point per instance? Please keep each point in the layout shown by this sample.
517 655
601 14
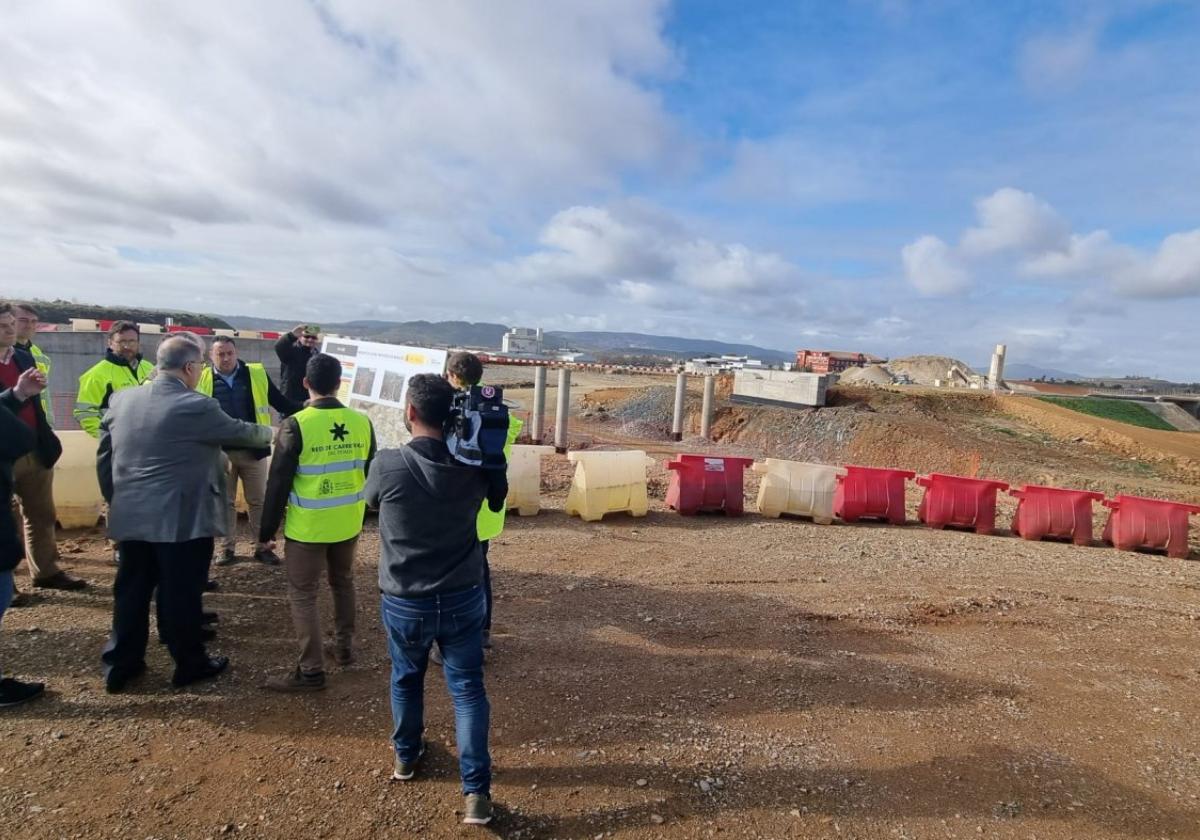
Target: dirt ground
676 677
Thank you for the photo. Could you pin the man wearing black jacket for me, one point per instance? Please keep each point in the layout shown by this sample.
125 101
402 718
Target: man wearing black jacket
431 577
16 441
33 474
245 393
294 349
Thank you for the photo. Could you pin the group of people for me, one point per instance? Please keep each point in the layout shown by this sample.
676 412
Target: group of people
174 442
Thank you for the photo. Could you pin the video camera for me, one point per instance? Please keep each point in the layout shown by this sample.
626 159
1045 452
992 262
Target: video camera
477 428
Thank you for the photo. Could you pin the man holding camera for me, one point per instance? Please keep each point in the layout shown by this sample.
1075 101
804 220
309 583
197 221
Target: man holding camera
294 349
431 577
464 370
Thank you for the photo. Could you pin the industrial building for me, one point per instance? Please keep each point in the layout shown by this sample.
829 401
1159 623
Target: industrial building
722 364
522 341
833 361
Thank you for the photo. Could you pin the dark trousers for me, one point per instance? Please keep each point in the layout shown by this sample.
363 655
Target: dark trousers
178 571
487 590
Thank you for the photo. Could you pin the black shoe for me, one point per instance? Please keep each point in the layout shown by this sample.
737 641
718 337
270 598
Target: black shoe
267 557
227 557
212 667
14 692
61 580
208 617
212 586
117 679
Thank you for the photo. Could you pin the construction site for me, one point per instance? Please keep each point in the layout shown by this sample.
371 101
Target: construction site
701 676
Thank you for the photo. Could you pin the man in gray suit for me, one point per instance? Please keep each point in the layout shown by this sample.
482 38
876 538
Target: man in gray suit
160 469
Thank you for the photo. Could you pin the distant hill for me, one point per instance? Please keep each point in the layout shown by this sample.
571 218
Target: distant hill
668 344
1023 371
62 311
485 335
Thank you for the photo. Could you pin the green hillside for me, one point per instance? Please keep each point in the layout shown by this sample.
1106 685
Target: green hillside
1123 411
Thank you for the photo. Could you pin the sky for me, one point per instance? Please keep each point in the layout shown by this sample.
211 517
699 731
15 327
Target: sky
884 176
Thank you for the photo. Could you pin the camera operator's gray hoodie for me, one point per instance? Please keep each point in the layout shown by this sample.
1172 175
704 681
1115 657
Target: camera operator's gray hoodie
428 505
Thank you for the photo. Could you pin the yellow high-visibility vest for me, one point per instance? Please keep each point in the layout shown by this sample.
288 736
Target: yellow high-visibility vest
97 385
327 502
490 523
42 362
258 390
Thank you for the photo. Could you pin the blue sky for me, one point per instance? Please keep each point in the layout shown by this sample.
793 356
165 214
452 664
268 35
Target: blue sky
882 175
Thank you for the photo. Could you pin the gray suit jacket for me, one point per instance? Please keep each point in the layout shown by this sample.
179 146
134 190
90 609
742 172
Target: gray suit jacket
160 463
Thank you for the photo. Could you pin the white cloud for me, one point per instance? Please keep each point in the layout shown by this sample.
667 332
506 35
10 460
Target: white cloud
1094 253
933 268
161 116
1012 220
648 257
1174 271
1038 244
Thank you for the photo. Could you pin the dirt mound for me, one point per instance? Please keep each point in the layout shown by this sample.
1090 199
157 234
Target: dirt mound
922 370
871 375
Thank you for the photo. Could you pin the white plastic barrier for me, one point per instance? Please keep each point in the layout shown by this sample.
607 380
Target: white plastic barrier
76 488
797 488
608 482
525 478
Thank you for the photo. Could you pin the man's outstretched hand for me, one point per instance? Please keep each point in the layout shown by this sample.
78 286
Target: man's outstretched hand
31 383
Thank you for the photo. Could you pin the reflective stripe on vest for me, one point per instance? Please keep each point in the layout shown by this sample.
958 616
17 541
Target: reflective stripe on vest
333 466
42 362
259 389
327 502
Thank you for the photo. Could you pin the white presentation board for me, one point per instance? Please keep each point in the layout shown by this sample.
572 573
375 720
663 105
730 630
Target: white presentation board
375 379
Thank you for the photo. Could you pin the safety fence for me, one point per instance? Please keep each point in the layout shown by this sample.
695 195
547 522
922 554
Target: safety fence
606 482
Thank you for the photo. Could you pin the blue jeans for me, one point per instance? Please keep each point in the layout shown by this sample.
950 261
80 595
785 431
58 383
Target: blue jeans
455 622
6 592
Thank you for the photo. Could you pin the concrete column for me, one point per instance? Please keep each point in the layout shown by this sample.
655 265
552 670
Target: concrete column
538 416
706 409
680 393
564 408
996 374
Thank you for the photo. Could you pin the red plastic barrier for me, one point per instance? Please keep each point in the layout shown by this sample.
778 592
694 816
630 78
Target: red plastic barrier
178 328
274 336
703 482
1054 512
955 500
871 493
105 324
1137 522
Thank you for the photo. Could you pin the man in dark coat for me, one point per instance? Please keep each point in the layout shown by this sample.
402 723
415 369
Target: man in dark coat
294 349
33 474
17 439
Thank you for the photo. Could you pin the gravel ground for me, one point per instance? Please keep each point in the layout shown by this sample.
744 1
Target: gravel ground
666 677
675 677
